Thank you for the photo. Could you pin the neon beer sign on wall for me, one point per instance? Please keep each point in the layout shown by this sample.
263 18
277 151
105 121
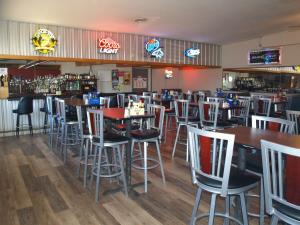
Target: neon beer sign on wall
108 46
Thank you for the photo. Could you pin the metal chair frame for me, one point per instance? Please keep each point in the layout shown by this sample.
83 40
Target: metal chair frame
213 115
183 114
261 122
121 100
99 149
152 109
273 156
221 157
294 116
266 106
243 112
105 101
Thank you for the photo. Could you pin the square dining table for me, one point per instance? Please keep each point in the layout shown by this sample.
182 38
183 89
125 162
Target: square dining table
252 136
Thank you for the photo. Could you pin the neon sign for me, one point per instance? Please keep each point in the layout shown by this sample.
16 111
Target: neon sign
191 52
44 41
108 46
154 49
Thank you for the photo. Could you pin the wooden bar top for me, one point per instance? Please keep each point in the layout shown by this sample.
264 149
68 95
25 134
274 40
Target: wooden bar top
252 136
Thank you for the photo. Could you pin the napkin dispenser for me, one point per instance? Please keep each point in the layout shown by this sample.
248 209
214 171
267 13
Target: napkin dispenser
136 109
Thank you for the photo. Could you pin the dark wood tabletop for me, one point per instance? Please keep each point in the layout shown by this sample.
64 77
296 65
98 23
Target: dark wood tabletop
118 114
77 102
252 136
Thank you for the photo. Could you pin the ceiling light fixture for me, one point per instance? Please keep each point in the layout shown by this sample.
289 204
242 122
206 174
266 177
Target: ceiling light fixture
140 20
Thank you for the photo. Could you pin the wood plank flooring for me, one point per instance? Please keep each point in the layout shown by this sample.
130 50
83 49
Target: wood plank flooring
37 189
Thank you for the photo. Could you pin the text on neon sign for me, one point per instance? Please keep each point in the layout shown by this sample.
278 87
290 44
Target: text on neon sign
107 45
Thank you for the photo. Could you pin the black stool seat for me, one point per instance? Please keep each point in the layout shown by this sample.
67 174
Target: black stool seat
289 211
111 138
237 179
144 134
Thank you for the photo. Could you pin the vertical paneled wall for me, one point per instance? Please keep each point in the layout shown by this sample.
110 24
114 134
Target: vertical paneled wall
15 39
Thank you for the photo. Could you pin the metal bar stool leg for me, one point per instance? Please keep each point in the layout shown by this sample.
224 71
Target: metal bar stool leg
98 175
160 162
30 124
244 208
119 156
176 140
212 209
274 220
196 206
145 166
18 125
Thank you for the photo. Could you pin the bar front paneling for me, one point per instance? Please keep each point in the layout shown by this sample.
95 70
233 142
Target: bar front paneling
8 118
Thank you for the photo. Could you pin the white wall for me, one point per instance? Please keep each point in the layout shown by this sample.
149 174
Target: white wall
188 79
235 55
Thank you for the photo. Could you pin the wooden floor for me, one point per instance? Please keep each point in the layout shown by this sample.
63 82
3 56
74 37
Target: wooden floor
36 188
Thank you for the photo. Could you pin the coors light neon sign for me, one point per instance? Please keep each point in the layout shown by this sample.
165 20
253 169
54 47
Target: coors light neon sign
108 46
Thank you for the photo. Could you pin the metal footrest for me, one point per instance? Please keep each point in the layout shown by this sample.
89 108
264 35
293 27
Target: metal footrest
134 165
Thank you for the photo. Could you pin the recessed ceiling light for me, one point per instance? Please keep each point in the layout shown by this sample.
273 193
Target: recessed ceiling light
140 20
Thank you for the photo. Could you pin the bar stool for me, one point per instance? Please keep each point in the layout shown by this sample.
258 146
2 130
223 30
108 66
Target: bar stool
25 107
183 120
210 158
52 118
68 130
101 144
153 134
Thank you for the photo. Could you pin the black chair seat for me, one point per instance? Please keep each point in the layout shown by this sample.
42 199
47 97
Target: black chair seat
287 210
236 120
111 138
43 109
222 124
144 134
190 119
169 111
237 179
122 127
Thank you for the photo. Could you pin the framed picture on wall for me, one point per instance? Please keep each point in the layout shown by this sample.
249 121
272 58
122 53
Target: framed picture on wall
139 79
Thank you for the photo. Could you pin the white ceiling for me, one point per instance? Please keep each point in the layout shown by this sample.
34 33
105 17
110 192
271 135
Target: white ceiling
214 21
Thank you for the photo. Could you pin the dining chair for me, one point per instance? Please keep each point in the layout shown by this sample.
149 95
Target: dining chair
132 97
208 112
183 120
52 119
68 130
210 161
103 145
295 117
240 115
198 96
262 106
278 166
271 123
147 93
85 156
121 100
105 101
145 99
169 114
152 134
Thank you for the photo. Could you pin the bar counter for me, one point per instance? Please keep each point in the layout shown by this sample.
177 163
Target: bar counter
8 118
